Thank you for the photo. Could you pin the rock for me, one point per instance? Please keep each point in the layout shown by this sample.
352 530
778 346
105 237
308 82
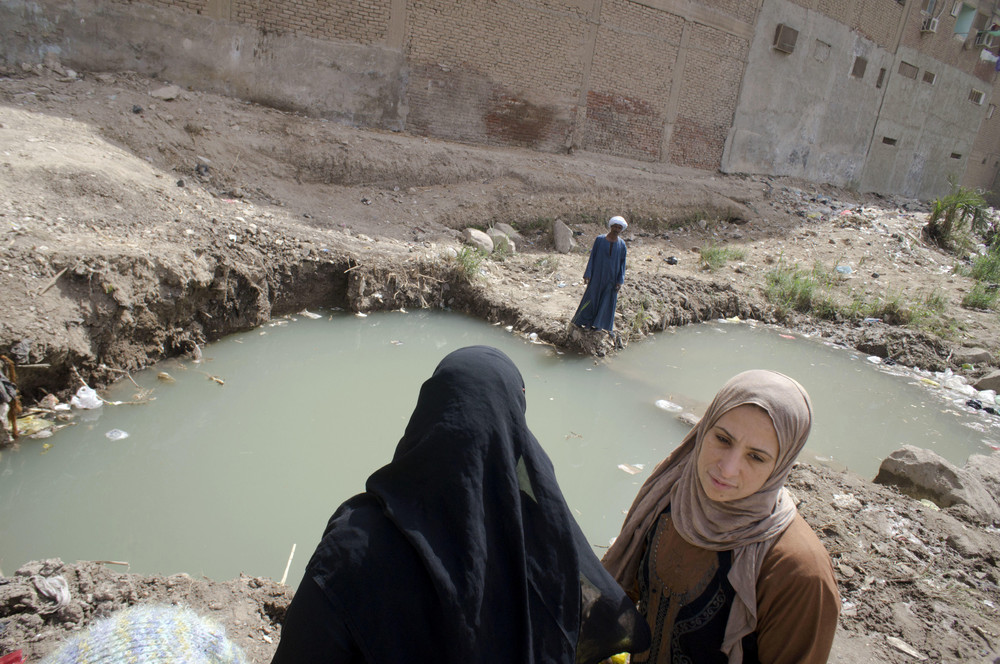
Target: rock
986 469
968 545
478 239
166 93
921 473
990 381
501 240
972 356
562 237
510 232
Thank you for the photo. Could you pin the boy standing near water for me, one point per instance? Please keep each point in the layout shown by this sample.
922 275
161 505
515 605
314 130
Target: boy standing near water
604 276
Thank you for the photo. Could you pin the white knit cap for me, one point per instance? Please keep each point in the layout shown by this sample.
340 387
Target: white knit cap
618 221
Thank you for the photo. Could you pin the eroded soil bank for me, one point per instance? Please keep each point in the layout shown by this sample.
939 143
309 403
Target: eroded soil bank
134 227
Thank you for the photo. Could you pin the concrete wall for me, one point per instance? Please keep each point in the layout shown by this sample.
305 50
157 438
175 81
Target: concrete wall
984 159
933 126
803 113
363 85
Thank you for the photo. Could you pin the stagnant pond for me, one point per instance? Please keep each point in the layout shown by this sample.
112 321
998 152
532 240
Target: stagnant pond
216 479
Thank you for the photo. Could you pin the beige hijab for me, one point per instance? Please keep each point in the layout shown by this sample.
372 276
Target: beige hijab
747 526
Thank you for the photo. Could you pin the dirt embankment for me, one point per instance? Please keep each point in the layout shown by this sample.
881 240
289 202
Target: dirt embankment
135 226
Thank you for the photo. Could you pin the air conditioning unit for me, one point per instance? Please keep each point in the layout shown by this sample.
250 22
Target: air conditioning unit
785 38
930 24
983 38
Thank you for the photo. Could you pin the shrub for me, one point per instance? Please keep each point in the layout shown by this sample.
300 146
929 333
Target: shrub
469 260
980 297
713 257
954 216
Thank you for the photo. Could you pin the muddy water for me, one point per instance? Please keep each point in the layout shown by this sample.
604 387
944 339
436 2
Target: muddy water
217 479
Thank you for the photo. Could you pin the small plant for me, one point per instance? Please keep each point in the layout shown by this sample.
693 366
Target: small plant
893 309
935 301
714 257
981 296
954 216
470 259
791 288
987 268
548 263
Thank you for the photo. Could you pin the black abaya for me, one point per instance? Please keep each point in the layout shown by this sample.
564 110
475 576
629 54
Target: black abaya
463 549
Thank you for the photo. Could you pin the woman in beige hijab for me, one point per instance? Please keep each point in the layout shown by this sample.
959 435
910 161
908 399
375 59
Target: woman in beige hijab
713 549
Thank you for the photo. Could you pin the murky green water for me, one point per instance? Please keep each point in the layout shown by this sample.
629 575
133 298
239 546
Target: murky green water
218 479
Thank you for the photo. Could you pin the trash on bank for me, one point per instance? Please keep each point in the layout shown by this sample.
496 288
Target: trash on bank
904 647
669 406
309 314
86 398
630 468
165 377
116 434
31 425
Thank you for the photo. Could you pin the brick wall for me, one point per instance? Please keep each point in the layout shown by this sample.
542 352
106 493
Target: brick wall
630 80
495 71
710 87
944 45
362 21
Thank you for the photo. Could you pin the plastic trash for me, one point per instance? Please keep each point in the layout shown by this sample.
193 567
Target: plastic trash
116 434
533 337
669 406
844 269
874 359
86 398
631 469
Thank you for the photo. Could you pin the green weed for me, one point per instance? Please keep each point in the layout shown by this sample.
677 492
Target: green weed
791 287
470 259
987 268
980 297
714 257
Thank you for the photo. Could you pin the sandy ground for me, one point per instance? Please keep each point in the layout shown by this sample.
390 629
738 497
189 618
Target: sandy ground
135 227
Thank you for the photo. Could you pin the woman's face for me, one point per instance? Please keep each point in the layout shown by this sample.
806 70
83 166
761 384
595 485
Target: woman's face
738 454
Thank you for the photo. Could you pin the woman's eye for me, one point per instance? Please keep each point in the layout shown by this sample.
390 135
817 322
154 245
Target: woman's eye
758 458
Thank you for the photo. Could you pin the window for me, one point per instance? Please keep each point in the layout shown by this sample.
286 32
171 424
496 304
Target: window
881 78
858 70
976 96
928 6
956 8
955 155
908 70
929 77
888 141
963 23
990 111
785 38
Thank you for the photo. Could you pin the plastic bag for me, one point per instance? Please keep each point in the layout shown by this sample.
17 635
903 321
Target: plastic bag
86 398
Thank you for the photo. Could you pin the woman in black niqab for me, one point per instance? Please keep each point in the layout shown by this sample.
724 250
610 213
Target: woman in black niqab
462 549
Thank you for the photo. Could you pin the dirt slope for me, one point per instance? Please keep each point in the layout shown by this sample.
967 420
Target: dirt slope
134 227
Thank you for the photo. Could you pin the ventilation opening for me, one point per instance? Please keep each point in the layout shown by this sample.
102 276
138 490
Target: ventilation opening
785 38
929 77
955 155
888 141
881 78
976 96
858 70
908 70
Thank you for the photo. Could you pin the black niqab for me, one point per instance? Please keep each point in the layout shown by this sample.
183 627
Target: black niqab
509 576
